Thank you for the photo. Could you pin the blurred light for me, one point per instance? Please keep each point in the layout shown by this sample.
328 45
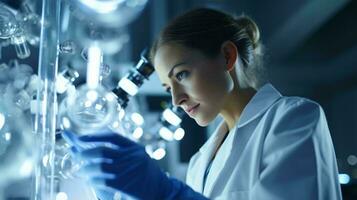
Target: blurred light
128 86
115 124
110 97
166 134
179 134
98 106
156 150
93 71
34 107
92 95
137 119
66 123
138 133
61 84
352 160
26 168
118 196
344 178
121 114
45 160
87 104
61 196
171 117
102 6
7 136
2 120
159 153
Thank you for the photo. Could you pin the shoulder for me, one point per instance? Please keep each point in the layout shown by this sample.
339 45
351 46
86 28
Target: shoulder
295 115
296 106
294 102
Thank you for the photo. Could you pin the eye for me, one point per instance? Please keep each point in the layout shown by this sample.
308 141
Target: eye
182 75
168 90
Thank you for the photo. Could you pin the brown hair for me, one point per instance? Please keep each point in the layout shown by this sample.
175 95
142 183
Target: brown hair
206 29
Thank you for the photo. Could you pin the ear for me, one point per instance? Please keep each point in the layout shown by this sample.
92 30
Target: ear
230 53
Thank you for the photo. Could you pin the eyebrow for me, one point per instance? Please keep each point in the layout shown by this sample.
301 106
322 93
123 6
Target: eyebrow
172 69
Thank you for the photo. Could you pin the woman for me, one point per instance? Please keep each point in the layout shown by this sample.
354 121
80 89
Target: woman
267 147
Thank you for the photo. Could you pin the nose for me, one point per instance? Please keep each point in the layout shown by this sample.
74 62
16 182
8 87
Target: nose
178 95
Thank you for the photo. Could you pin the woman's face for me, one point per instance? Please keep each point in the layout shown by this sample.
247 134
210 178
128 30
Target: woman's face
198 84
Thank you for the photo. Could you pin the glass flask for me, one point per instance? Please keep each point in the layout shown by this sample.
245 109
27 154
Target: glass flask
116 125
8 23
31 23
17 152
88 110
65 165
91 108
11 28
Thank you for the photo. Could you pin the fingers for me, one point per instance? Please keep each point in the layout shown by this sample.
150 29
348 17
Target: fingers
104 194
103 169
101 182
124 184
70 137
99 152
112 138
108 169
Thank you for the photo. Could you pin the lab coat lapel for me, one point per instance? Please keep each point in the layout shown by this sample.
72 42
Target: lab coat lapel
238 137
237 141
217 165
260 102
205 155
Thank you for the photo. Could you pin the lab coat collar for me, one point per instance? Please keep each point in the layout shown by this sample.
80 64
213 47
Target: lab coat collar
260 102
205 153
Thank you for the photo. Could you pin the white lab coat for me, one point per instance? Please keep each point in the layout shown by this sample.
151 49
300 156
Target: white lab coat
280 148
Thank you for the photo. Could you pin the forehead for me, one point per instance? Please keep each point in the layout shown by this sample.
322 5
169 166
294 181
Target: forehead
168 54
171 54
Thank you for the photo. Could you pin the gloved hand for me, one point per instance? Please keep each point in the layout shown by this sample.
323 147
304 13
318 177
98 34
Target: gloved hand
113 162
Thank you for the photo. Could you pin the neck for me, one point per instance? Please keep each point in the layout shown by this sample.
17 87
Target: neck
235 103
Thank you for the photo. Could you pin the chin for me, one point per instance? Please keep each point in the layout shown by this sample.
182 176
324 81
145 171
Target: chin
203 122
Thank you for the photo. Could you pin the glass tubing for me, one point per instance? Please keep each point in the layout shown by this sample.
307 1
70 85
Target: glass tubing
45 119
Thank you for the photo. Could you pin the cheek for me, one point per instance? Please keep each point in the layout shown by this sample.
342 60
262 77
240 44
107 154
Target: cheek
213 86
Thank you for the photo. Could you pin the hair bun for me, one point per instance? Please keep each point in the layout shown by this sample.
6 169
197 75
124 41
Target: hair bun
250 28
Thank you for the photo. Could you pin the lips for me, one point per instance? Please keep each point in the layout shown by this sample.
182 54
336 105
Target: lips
192 108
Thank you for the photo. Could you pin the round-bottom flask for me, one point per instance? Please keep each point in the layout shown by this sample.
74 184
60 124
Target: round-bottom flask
88 110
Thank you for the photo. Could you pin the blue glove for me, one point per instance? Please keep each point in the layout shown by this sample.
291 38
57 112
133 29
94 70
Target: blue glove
115 163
